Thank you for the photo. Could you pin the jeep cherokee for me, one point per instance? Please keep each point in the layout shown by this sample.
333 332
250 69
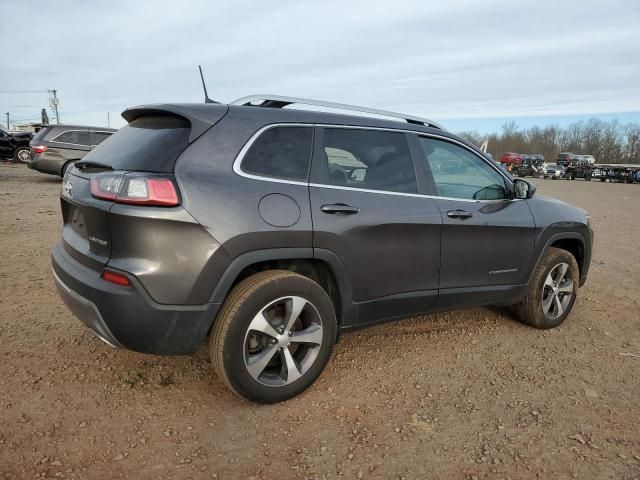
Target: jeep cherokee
268 230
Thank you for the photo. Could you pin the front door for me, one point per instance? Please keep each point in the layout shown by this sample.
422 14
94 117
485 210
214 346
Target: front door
487 237
366 209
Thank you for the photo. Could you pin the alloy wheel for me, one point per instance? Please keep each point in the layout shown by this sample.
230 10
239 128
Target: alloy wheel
24 155
557 291
283 341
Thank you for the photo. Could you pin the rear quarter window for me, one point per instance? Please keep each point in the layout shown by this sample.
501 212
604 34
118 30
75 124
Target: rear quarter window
280 152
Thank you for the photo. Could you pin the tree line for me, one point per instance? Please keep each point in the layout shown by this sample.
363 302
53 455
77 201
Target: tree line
608 142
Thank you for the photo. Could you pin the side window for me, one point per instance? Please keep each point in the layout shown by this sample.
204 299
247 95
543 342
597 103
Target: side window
282 152
74 137
458 173
99 137
84 139
368 159
66 137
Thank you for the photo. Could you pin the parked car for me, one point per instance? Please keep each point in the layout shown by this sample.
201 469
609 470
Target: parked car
554 171
225 222
55 147
511 158
532 166
565 158
586 159
14 145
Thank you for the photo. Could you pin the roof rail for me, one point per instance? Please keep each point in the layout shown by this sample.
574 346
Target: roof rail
275 101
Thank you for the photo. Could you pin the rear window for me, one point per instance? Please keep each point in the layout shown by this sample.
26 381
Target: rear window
151 143
40 135
281 152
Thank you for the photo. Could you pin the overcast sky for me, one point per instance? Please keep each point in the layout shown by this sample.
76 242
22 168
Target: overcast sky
466 64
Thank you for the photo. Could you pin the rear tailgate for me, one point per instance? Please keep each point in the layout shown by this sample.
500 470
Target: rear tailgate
151 142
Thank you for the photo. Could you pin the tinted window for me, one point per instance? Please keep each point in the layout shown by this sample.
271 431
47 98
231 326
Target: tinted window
151 143
65 137
40 135
370 159
74 137
99 137
458 173
83 139
282 152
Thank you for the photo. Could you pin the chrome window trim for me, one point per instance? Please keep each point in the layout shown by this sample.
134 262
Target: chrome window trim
53 140
237 163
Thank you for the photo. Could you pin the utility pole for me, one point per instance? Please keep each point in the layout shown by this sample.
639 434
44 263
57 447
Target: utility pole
54 103
109 119
7 114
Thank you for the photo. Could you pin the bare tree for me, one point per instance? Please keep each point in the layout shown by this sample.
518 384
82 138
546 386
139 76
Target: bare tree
608 142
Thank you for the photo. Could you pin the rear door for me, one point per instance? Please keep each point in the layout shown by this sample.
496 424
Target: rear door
366 209
487 237
72 144
97 137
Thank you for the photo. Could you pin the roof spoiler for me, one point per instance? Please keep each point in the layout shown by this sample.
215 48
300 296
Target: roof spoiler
201 119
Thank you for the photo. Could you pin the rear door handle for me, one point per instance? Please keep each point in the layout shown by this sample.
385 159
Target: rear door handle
461 214
339 209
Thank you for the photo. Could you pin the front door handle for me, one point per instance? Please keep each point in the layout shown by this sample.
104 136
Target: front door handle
461 214
339 209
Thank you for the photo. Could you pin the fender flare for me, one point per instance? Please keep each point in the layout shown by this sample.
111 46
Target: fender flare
348 313
554 238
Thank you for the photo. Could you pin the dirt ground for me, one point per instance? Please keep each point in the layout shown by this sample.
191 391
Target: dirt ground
469 394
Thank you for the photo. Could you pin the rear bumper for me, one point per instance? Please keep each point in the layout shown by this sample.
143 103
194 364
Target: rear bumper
127 317
45 164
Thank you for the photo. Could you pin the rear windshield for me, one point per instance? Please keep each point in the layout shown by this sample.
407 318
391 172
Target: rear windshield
40 135
151 143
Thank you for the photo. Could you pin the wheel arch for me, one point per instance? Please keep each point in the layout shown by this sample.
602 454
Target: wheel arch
321 266
572 242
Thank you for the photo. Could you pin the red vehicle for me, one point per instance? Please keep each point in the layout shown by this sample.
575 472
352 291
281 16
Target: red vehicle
512 158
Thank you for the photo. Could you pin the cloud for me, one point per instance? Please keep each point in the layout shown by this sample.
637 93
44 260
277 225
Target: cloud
458 59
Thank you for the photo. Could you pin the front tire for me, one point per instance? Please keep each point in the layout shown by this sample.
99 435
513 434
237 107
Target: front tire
273 336
22 154
552 290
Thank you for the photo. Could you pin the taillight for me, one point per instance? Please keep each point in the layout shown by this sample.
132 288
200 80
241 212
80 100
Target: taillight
39 149
135 190
117 278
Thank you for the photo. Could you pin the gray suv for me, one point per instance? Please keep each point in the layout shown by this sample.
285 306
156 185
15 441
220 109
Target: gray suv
268 230
56 147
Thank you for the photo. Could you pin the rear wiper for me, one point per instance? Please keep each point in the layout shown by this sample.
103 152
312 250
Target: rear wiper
82 164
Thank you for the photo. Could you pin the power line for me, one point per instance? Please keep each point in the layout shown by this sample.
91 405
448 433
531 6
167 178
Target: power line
24 91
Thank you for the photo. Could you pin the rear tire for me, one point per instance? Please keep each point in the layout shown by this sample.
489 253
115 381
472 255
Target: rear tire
273 336
66 168
551 292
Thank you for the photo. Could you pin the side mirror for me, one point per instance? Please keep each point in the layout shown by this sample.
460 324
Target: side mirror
523 189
